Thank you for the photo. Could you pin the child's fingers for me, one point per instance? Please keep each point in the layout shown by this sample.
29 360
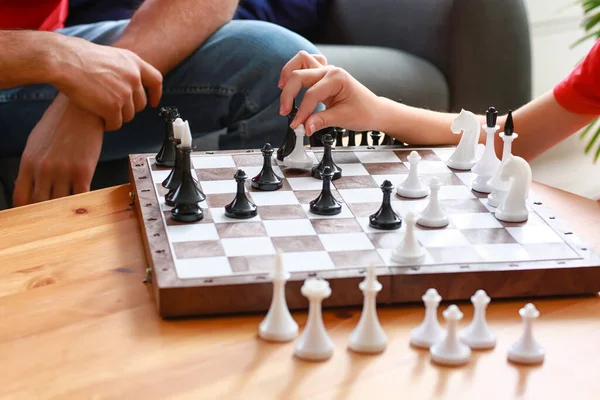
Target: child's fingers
324 119
302 60
298 80
319 93
321 59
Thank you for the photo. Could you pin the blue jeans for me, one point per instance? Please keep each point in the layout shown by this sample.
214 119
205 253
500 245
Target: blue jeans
243 57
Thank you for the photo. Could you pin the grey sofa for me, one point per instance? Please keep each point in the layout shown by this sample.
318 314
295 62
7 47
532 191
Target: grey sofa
442 55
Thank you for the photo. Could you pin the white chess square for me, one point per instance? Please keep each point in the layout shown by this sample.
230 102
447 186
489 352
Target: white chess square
216 187
354 169
534 234
161 175
194 268
219 217
289 227
506 252
361 195
307 261
444 153
442 238
466 177
484 201
346 213
403 207
455 192
163 205
367 157
222 161
430 167
254 246
305 183
194 232
475 221
346 241
277 198
396 179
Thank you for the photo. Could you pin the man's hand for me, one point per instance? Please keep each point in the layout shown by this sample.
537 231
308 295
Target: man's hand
104 80
349 103
61 154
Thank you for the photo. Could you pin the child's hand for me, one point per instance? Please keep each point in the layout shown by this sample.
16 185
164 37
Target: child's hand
349 104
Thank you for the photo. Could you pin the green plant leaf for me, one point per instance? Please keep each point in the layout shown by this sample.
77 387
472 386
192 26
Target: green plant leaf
588 128
586 37
592 141
591 21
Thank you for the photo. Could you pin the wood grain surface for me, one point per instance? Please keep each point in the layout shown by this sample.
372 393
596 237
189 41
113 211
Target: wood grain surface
76 322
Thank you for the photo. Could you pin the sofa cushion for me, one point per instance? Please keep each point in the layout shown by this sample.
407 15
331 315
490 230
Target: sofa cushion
393 73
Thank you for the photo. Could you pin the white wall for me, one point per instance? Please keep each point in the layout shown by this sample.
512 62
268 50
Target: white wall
555 26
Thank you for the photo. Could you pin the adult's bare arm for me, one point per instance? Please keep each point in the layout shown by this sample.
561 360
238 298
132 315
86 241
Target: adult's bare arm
26 58
165 32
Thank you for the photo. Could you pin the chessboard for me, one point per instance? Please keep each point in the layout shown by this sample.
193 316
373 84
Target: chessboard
221 265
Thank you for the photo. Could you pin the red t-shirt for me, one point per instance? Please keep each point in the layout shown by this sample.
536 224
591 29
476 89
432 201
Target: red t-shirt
40 15
580 91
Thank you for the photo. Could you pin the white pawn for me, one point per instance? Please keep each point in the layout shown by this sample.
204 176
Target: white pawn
314 344
368 336
478 334
410 249
464 156
433 216
298 159
450 350
430 331
514 205
413 187
278 324
526 350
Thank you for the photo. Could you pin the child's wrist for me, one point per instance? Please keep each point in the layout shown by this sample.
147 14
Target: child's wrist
386 115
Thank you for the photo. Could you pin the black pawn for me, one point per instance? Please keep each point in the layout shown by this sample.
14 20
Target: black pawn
387 140
509 127
289 142
241 207
187 196
339 137
327 161
267 179
351 138
167 153
326 204
376 136
491 116
364 141
386 218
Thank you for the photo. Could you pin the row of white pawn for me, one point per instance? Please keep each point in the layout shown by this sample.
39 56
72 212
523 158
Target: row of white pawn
447 346
450 347
315 344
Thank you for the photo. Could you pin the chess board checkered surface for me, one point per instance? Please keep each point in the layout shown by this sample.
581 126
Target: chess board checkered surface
237 255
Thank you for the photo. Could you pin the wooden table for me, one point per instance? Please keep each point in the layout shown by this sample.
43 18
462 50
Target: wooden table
77 322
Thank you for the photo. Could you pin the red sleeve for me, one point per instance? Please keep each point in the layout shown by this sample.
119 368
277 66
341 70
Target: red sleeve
580 91
44 15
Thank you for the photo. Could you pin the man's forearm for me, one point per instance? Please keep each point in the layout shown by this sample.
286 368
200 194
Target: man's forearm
26 58
165 32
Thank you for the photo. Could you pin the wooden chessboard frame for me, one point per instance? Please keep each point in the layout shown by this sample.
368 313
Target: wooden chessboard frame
212 296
